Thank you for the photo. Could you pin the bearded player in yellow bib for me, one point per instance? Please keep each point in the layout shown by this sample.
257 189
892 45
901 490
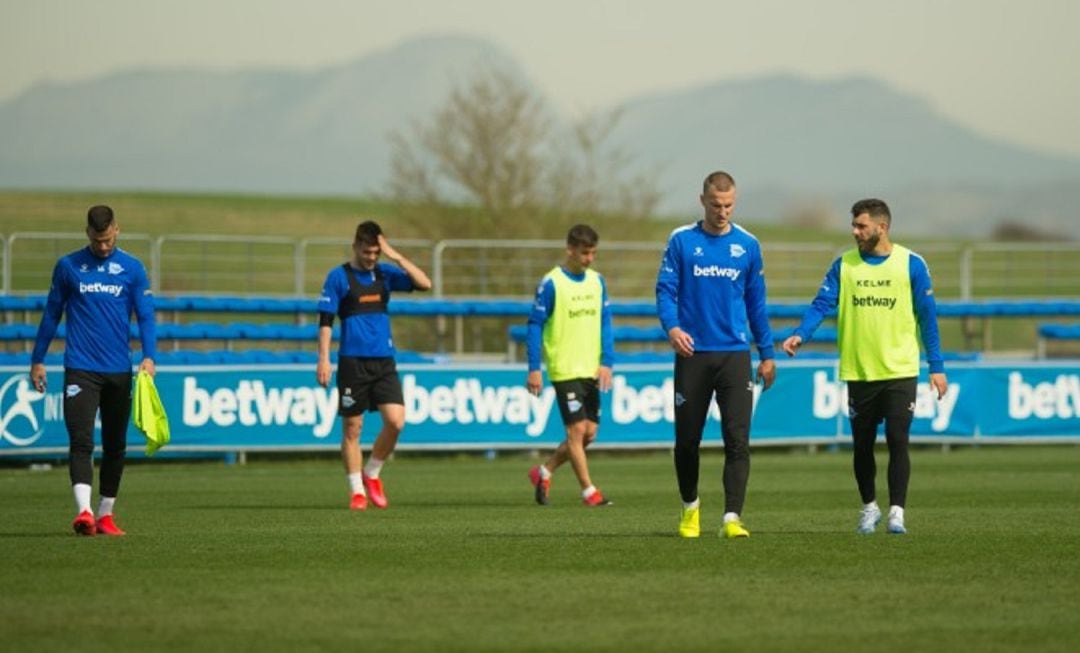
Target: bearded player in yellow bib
883 296
570 324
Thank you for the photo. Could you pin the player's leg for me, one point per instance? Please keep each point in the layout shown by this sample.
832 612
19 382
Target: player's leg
115 414
352 402
734 389
693 391
864 416
899 410
386 393
82 394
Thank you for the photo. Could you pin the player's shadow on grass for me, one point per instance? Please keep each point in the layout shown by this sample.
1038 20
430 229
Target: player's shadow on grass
50 534
260 507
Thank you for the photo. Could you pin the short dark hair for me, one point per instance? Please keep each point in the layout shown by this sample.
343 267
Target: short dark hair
719 180
99 218
875 208
367 233
582 235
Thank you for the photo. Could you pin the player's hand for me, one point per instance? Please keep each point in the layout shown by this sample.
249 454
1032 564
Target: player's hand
535 382
603 378
147 365
939 383
322 373
766 373
681 342
388 251
791 345
37 376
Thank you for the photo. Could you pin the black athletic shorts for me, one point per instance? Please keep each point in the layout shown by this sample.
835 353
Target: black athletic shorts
364 384
578 399
871 402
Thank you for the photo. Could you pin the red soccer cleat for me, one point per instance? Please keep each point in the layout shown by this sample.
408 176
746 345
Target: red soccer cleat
84 524
106 526
358 502
542 485
375 491
596 500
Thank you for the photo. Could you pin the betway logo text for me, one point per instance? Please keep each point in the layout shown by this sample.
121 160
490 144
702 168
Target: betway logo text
250 403
653 403
98 287
831 398
468 401
1060 399
716 271
869 302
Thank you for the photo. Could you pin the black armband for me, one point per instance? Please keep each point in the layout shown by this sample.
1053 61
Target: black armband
326 319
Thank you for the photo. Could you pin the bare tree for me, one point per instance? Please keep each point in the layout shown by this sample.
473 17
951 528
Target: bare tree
493 159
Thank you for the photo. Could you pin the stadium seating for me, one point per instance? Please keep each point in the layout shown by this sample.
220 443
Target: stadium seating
1055 332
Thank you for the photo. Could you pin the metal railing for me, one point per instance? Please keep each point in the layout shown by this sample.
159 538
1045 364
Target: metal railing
280 266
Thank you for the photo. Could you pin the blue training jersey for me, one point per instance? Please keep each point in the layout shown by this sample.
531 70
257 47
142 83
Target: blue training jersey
364 335
713 288
545 304
922 296
99 296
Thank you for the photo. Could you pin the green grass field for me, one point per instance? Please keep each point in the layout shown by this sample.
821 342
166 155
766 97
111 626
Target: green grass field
266 557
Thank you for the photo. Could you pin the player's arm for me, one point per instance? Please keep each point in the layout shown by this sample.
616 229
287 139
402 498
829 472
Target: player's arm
667 299
419 278
538 316
607 341
59 292
827 298
143 300
326 334
328 307
754 296
922 296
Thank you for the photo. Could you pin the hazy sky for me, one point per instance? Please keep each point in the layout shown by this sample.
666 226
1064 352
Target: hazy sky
1007 68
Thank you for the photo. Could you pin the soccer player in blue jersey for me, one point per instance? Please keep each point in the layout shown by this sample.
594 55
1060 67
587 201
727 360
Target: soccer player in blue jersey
710 297
97 287
570 327
358 292
883 294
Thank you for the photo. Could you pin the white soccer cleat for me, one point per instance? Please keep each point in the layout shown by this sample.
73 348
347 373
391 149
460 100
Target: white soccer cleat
868 520
896 523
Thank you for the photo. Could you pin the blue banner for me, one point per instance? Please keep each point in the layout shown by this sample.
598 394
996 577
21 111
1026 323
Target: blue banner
233 408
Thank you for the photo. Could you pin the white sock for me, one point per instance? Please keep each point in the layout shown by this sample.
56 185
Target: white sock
871 506
544 473
696 503
356 482
731 516
896 512
373 467
106 506
588 492
82 496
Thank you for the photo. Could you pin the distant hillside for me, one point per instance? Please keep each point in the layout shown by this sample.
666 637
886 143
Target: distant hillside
261 131
791 141
796 146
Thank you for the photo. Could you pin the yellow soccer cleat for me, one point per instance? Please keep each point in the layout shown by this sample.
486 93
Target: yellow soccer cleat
690 523
733 529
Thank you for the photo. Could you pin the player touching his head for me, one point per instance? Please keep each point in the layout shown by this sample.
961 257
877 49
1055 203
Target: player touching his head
358 292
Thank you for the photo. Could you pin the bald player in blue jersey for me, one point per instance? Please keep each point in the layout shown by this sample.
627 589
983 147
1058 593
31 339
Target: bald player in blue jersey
98 287
710 297
358 292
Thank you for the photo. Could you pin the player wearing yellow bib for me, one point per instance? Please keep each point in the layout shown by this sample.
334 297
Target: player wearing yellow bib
884 297
570 325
